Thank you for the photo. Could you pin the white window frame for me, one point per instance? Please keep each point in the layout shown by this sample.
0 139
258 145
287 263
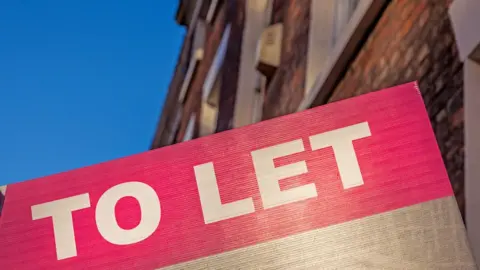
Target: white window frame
190 129
192 66
211 81
365 12
176 124
197 56
343 12
216 64
248 98
211 10
196 13
321 32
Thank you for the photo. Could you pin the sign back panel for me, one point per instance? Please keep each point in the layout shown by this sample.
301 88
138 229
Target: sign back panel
357 184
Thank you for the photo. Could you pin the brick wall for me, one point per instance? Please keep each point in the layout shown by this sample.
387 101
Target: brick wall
413 40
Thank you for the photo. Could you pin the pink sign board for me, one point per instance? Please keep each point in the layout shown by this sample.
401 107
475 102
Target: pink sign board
354 184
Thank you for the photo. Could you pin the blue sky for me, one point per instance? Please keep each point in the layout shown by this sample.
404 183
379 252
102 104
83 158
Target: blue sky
81 82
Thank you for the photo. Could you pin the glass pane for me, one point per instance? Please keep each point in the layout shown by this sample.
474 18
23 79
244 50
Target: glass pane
344 10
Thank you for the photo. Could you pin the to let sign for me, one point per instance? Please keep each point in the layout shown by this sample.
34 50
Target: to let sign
354 184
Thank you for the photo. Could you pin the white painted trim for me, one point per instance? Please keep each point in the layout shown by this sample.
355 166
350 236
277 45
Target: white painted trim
319 40
211 10
196 57
190 128
209 114
343 11
338 50
216 64
255 22
193 23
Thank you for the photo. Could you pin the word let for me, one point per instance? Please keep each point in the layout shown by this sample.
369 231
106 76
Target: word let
268 177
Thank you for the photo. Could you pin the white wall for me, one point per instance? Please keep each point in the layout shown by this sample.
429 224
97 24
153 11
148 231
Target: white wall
256 18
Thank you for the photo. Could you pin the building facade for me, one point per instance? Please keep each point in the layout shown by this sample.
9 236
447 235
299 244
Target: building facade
245 61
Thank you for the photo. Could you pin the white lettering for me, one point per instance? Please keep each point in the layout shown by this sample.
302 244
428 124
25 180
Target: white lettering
268 175
341 142
149 207
212 207
61 213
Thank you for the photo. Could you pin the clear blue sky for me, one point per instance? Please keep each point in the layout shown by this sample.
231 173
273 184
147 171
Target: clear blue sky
81 82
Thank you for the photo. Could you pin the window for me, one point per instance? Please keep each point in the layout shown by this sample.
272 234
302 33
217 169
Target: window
336 30
209 109
192 17
211 89
261 80
328 22
343 11
216 64
196 57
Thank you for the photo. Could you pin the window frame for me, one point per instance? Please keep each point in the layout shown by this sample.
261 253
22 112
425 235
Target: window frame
365 13
212 80
190 129
212 10
217 63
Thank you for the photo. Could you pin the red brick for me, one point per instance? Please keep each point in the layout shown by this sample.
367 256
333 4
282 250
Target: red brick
286 90
422 48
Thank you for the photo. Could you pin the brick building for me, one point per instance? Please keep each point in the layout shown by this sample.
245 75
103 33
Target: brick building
244 61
